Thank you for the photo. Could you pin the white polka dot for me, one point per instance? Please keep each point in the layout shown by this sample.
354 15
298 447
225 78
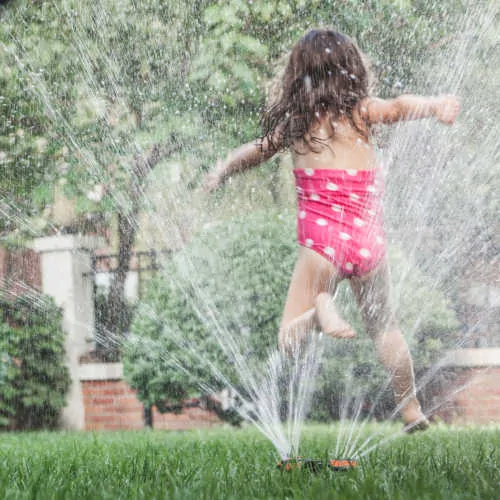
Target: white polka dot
358 222
344 236
352 171
371 189
329 251
314 197
380 240
309 171
302 214
371 213
309 242
332 186
348 266
336 208
354 197
364 252
321 222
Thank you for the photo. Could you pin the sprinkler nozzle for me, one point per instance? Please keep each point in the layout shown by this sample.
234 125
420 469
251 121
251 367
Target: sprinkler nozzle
342 464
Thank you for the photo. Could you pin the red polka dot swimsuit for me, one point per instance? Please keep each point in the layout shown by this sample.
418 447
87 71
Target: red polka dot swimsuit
340 217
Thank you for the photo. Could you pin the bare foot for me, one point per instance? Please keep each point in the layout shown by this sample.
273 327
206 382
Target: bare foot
294 335
330 322
419 425
413 417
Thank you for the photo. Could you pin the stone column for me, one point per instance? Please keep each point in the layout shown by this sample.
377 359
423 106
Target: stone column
66 266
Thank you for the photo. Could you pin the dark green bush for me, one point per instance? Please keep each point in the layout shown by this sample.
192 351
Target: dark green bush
35 379
234 277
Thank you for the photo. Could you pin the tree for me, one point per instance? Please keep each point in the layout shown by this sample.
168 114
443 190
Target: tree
107 81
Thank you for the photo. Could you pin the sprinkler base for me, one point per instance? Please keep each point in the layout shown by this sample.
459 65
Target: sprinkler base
315 465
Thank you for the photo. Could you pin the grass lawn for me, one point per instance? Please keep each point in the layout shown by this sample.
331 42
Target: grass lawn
443 463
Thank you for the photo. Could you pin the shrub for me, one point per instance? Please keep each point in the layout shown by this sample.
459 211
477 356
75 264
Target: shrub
233 278
35 379
229 282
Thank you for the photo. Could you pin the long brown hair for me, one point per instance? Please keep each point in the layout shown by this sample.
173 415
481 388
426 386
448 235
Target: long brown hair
326 74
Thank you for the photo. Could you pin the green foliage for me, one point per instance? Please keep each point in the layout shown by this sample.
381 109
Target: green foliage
228 284
233 279
89 87
35 379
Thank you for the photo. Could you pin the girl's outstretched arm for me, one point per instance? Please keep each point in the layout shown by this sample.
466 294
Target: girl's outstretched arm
242 158
409 107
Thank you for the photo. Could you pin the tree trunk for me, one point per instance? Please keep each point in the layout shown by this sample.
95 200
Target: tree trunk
117 316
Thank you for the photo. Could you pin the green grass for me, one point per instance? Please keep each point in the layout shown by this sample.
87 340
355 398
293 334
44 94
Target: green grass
444 463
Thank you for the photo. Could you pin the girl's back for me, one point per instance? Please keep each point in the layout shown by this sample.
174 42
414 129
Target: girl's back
337 145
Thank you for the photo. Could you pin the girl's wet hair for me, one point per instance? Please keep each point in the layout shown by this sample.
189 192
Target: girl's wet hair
325 74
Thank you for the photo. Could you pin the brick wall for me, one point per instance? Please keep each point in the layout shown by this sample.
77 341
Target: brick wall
473 396
472 392
110 404
19 271
190 418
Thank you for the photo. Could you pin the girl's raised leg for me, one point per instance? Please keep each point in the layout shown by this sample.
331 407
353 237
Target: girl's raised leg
308 304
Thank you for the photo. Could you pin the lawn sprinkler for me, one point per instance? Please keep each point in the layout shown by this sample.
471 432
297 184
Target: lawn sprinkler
315 465
342 465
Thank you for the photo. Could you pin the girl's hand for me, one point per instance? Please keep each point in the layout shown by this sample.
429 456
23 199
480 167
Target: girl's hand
447 109
214 178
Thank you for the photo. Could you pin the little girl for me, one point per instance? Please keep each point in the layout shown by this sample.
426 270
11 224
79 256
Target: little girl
323 115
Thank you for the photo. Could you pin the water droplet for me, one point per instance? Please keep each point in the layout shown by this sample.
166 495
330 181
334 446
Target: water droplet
308 83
